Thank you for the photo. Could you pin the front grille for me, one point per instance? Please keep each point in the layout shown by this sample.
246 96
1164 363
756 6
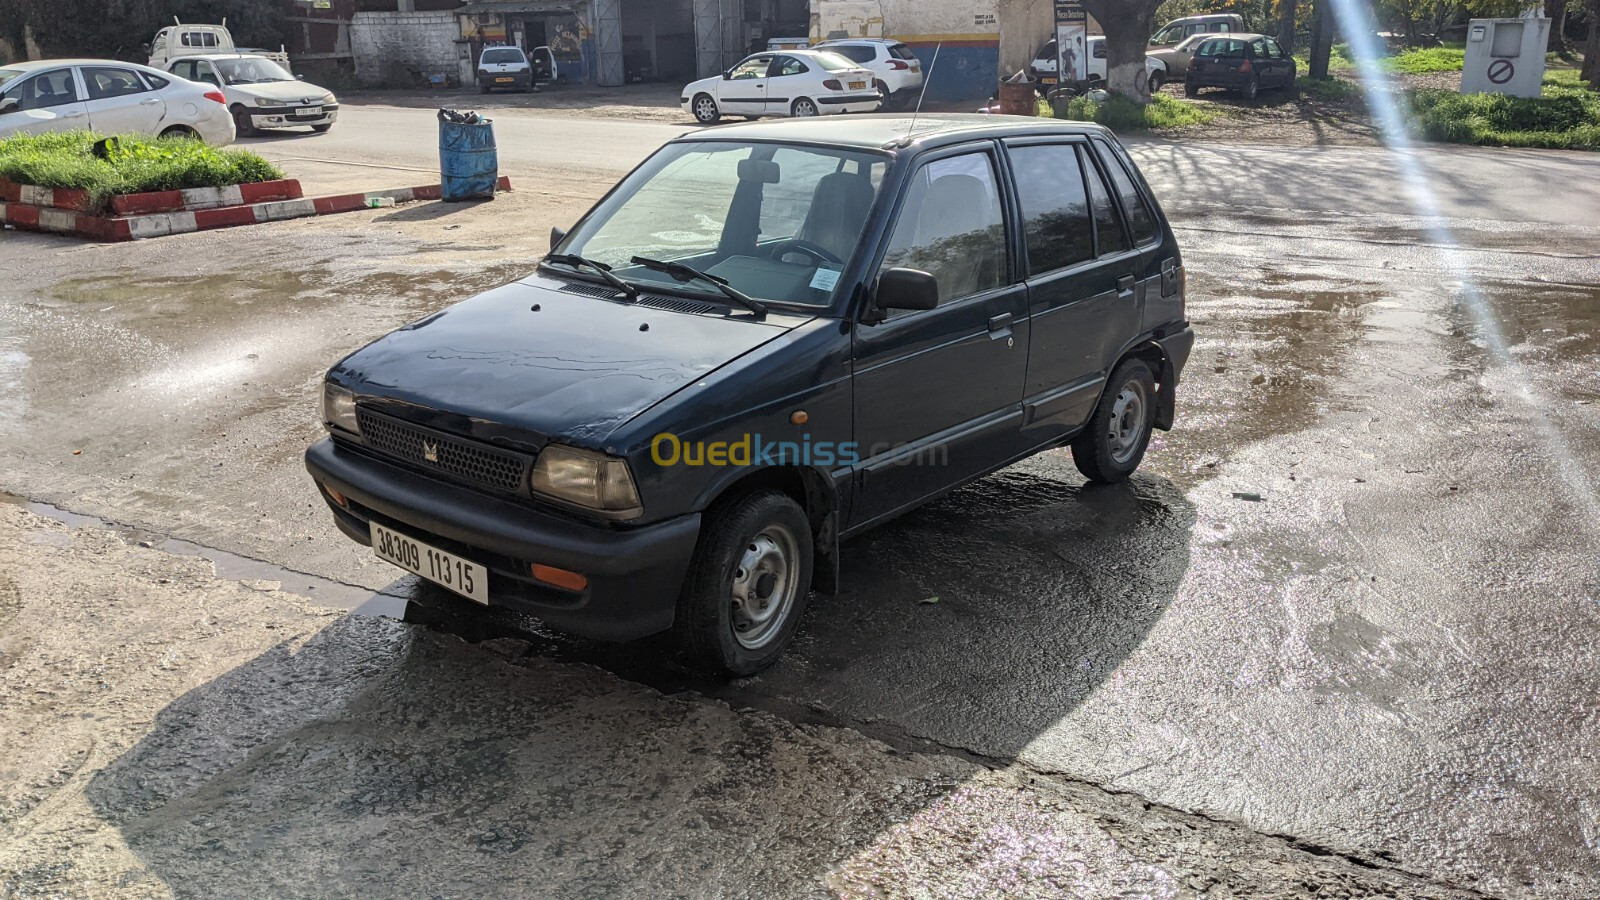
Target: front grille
591 290
502 470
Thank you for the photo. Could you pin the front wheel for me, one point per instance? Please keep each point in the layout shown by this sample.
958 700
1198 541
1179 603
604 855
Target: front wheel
243 126
705 109
1156 81
803 108
1113 443
747 584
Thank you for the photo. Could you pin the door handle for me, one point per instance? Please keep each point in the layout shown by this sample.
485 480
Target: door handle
151 102
1125 284
72 115
1000 322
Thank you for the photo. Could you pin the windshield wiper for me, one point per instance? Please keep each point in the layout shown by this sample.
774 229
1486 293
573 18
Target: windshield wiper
576 261
683 273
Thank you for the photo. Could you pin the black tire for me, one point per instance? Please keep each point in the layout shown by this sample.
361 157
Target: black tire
179 131
885 97
1251 89
1190 89
804 108
1112 444
322 129
242 126
484 88
735 540
1156 81
705 109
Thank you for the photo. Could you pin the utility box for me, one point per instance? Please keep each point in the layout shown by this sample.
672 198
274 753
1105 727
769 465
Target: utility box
1505 56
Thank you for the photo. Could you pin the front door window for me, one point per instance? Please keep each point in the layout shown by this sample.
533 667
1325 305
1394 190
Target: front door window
952 227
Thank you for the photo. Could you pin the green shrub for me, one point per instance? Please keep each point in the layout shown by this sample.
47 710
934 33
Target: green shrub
1327 89
1423 62
134 165
1563 118
1121 114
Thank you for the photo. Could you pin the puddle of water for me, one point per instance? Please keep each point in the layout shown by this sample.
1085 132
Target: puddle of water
391 601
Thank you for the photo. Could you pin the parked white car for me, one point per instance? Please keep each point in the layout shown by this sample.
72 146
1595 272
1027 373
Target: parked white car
897 70
261 93
1044 65
787 83
111 98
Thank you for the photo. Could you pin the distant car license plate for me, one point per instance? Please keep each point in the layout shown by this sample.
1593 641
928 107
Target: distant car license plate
857 85
309 111
504 80
1047 81
447 570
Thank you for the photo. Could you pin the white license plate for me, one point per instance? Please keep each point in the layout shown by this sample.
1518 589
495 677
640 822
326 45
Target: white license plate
309 111
447 570
857 85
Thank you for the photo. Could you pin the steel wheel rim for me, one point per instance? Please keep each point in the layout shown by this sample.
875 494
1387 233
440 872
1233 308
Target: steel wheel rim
805 108
704 109
764 586
1126 428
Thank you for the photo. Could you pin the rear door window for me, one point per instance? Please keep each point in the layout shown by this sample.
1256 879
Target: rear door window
855 52
1109 236
106 82
1134 207
1055 208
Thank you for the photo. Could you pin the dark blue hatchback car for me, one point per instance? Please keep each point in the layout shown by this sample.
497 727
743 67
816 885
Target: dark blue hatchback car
764 340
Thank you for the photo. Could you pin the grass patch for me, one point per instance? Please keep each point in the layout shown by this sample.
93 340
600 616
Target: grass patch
1326 89
1563 119
1121 114
137 164
1426 61
1565 78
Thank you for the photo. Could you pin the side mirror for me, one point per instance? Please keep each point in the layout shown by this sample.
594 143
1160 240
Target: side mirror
728 75
556 236
300 77
907 289
9 104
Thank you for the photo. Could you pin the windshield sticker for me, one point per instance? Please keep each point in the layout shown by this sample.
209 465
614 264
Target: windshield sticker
825 279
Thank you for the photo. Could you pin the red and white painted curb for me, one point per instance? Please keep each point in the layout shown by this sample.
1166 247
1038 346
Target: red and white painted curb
154 201
35 217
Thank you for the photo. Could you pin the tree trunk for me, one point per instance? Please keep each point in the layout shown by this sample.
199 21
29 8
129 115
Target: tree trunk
1556 12
1286 25
1321 39
1591 48
1128 24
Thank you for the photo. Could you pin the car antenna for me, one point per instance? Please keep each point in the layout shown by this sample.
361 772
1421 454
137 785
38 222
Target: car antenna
926 77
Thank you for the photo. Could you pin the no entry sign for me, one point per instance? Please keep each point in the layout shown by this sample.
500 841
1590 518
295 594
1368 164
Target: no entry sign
1501 70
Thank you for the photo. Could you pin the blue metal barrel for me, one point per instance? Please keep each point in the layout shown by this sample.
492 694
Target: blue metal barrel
468 162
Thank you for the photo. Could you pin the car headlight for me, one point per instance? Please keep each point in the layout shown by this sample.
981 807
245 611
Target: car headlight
267 101
339 408
330 99
584 478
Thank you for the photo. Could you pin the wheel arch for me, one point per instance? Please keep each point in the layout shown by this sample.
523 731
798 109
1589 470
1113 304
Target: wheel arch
815 494
1154 356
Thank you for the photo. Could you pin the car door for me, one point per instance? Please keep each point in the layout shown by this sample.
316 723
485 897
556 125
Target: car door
787 78
120 102
744 90
1283 65
938 392
48 101
1080 278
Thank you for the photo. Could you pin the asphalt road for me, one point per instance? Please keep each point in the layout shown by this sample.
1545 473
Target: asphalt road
1349 600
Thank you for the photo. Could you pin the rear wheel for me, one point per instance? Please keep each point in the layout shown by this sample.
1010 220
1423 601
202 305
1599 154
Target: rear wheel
705 109
747 584
1156 81
803 108
1251 88
885 97
179 131
1190 89
1113 443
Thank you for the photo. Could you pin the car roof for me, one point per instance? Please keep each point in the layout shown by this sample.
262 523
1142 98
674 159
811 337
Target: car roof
857 41
218 56
877 132
37 64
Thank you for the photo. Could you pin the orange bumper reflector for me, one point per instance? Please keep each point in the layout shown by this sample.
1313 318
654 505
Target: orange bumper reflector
338 497
561 578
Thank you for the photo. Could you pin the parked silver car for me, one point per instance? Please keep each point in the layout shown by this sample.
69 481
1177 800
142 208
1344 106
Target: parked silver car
110 97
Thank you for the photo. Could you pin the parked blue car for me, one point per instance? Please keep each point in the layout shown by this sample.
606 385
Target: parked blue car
764 340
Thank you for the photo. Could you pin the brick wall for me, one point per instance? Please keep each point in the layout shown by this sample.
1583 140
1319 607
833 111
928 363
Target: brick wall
401 49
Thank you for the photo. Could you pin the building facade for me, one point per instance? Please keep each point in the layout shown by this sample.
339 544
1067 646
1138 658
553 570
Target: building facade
965 36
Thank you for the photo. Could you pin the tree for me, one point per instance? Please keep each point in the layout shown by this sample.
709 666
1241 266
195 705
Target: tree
1556 12
1128 25
1286 10
1591 47
1321 39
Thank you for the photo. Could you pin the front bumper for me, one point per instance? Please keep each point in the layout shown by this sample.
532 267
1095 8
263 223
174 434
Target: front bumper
634 574
289 117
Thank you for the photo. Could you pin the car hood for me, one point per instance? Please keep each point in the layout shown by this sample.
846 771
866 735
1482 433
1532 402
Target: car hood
572 371
283 91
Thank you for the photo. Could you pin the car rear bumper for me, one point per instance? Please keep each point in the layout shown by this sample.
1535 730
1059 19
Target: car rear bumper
868 102
634 574
518 79
1216 79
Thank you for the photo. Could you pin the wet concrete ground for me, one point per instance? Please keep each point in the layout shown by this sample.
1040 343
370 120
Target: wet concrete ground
1350 601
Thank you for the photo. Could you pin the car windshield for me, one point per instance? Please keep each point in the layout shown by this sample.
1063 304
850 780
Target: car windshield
502 55
252 70
7 76
778 221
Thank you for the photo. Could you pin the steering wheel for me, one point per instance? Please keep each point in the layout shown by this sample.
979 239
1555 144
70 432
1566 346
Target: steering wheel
815 251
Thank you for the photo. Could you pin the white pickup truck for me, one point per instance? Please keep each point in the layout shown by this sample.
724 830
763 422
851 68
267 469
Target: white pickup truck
202 40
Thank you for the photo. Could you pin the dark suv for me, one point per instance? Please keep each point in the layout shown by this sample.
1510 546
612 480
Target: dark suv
766 339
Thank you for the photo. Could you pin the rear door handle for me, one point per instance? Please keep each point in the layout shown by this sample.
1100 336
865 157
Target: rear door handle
151 102
1000 322
1125 284
72 115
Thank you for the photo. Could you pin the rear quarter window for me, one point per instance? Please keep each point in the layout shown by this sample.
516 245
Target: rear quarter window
1141 221
901 51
